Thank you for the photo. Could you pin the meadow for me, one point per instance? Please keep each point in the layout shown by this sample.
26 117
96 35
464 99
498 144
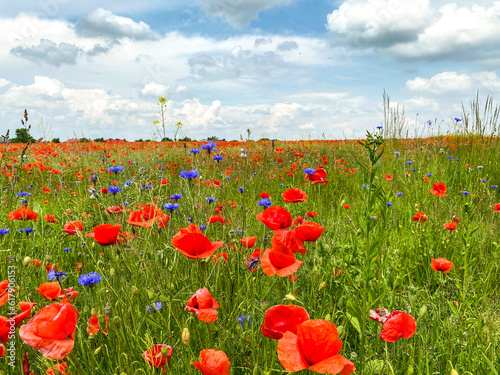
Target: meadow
390 217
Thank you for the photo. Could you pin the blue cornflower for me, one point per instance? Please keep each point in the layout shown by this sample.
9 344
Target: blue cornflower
228 177
189 174
457 159
457 119
29 186
171 206
4 231
494 186
176 197
210 199
397 152
363 187
479 167
429 122
116 169
309 171
24 194
203 227
208 146
240 189
265 202
128 183
414 169
90 279
379 127
147 187
429 174
156 306
450 157
465 192
194 151
399 194
218 158
253 263
26 230
114 189
53 274
67 248
125 203
409 162
389 204
244 318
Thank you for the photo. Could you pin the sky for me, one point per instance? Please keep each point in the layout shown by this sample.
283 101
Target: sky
284 69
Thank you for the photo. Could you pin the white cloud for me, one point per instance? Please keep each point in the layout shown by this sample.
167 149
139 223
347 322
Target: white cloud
379 23
155 90
3 82
103 23
48 52
308 126
239 13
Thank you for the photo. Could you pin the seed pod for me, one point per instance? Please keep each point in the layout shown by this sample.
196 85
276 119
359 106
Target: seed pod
185 336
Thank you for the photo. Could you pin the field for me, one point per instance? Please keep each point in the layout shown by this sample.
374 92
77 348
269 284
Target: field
390 210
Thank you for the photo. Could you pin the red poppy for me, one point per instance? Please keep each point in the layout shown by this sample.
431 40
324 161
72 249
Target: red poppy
317 178
49 290
93 325
23 213
73 227
394 325
297 221
104 190
25 313
5 293
222 256
309 231
5 323
52 330
279 260
145 217
346 206
213 362
420 216
311 213
282 318
294 195
69 293
114 210
163 221
49 218
439 189
388 177
105 234
264 195
314 347
496 207
248 241
154 357
215 219
289 239
450 226
203 304
3 350
60 368
441 265
194 244
275 217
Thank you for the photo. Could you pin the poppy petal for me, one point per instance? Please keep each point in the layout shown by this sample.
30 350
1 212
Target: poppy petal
337 364
289 353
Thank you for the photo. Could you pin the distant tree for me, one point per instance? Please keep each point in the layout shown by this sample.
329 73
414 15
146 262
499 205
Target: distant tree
213 138
55 140
166 139
185 139
264 139
99 140
139 140
84 140
22 136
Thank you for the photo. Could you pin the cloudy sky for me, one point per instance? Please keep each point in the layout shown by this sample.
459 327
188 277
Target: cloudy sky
286 69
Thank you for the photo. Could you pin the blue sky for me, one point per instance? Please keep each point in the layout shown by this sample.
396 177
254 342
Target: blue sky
286 69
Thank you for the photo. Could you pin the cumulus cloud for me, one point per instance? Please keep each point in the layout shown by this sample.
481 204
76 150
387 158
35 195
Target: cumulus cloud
239 13
103 23
155 90
262 41
379 23
3 82
287 45
48 52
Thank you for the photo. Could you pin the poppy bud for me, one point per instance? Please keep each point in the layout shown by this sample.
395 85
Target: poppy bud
116 322
172 286
340 330
26 261
151 294
112 272
107 309
134 290
47 258
422 312
93 311
453 372
185 336
86 309
328 318
409 371
290 297
322 286
97 351
164 350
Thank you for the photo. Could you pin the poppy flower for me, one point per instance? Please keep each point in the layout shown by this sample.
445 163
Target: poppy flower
23 213
203 304
289 239
73 227
145 217
223 256
60 369
248 241
294 195
154 357
93 325
52 330
346 206
215 219
5 293
314 347
275 217
264 195
25 313
69 293
3 350
194 244
297 221
213 362
163 221
113 210
450 226
50 291
394 325
439 189
496 207
105 234
309 231
441 265
319 177
279 260
311 213
388 177
49 218
420 216
282 318
5 323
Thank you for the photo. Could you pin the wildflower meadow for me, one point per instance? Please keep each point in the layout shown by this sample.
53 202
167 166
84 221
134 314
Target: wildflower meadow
378 256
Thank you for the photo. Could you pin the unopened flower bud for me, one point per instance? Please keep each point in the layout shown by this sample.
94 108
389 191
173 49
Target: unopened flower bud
322 286
93 311
27 261
290 297
112 272
185 336
97 351
453 372
164 350
422 312
48 258
134 290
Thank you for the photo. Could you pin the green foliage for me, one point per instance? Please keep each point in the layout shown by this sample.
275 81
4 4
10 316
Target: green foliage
55 140
99 139
22 136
